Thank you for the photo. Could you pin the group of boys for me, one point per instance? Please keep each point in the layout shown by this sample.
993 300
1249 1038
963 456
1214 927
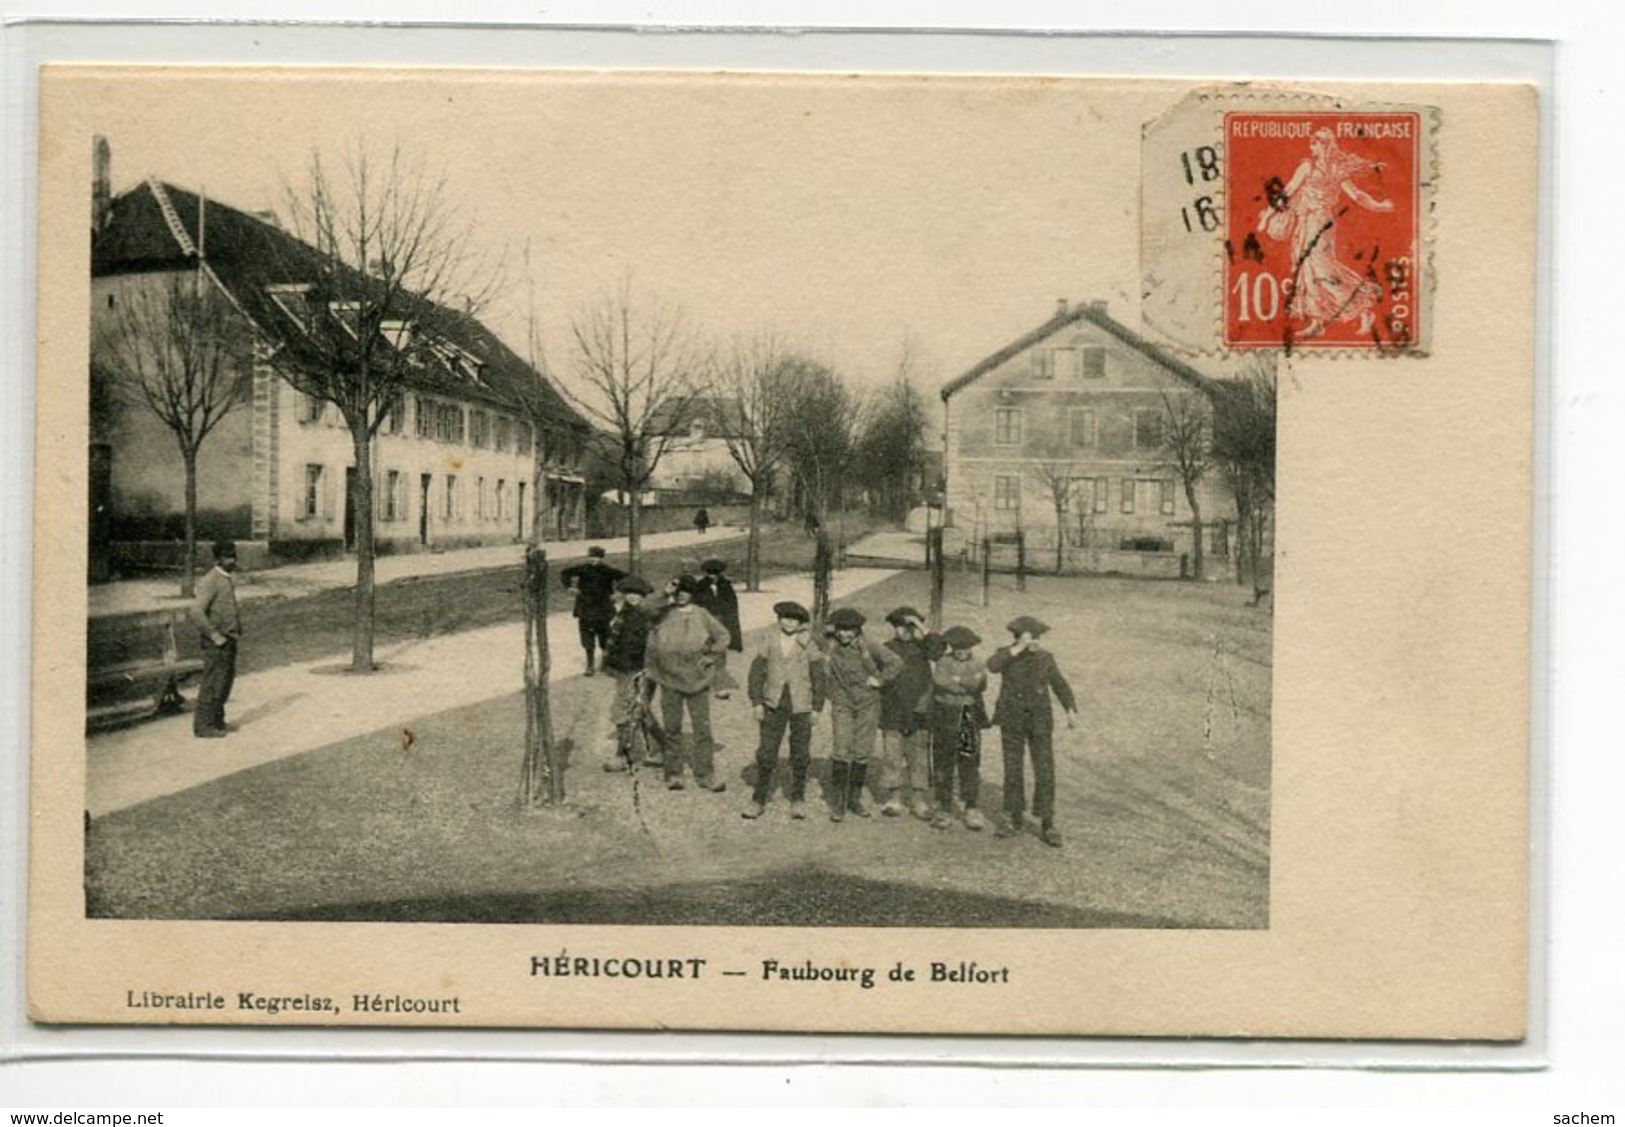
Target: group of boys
921 692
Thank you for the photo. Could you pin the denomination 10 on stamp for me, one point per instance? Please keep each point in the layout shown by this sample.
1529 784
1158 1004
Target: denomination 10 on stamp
1321 230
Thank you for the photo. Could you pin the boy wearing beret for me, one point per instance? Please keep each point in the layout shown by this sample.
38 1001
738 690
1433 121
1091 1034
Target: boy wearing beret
1026 721
905 779
786 684
593 584
859 668
682 653
958 715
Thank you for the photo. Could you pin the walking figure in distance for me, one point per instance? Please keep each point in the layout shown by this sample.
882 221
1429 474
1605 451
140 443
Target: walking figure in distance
702 520
787 685
1028 676
214 613
682 653
593 583
859 667
958 715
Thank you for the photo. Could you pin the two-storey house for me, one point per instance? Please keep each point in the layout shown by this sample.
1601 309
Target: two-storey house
457 463
1062 434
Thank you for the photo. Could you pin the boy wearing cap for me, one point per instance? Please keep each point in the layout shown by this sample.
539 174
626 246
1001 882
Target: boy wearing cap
904 771
859 668
593 583
787 685
958 715
682 652
214 613
1025 720
623 656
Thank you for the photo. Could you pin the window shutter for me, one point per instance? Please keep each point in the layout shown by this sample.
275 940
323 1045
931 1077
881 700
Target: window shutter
327 494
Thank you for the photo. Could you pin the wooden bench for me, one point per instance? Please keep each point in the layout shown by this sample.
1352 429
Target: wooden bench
145 688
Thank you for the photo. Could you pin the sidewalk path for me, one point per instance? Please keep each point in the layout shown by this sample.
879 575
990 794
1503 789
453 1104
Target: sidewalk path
295 580
297 708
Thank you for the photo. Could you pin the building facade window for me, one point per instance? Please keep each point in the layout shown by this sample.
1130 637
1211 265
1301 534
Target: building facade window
311 408
479 499
502 433
1165 500
395 413
1128 495
1066 363
310 505
1007 493
392 496
1102 500
448 511
1007 426
524 439
427 414
502 499
479 429
1147 429
1082 426
449 423
1092 361
1043 364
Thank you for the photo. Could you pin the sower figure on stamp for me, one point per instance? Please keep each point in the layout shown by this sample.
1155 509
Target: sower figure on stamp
905 779
214 613
859 668
787 685
623 656
958 715
1025 720
683 649
716 594
594 585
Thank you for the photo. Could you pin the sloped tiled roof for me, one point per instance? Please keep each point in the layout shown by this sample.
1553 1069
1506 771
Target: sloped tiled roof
720 415
1094 316
248 253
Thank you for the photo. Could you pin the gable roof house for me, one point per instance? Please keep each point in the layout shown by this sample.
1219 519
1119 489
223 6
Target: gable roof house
455 463
696 457
1075 411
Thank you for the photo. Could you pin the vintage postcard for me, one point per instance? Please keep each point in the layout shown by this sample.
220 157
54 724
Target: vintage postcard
793 552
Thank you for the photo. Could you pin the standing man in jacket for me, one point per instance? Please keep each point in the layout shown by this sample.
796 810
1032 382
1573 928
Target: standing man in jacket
905 771
859 667
623 657
717 595
683 651
1025 720
214 613
787 685
593 583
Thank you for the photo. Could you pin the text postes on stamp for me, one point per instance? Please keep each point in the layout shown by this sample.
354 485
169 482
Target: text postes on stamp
1322 247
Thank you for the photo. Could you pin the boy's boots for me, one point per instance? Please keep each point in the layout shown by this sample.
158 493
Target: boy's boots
854 798
839 777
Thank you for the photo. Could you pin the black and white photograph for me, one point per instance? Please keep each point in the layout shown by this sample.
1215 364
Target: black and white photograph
582 505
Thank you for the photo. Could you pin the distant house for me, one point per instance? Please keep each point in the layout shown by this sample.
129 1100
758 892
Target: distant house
1075 411
455 464
696 458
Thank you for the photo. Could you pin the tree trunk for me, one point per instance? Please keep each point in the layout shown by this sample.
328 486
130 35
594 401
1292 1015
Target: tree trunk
753 542
1242 507
1060 539
822 565
365 551
634 529
189 552
538 490
1197 566
1260 588
541 780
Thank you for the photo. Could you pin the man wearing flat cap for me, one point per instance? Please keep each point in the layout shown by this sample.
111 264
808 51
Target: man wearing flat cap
787 685
859 668
682 655
905 771
1026 722
593 583
214 613
624 649
958 715
716 594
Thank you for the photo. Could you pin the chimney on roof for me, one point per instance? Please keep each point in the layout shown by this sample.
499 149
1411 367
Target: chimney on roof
1098 307
101 186
1061 307
267 217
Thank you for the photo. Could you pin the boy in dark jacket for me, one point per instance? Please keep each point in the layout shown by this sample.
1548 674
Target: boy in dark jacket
623 656
787 686
716 595
905 779
1025 720
593 584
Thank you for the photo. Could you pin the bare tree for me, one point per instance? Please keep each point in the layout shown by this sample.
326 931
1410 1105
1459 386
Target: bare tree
392 254
1244 450
819 421
1057 475
638 374
1187 452
178 352
890 442
753 376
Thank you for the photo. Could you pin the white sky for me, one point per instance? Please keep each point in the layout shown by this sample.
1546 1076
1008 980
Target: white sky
846 216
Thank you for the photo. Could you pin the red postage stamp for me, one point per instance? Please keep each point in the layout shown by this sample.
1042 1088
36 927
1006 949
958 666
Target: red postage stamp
1321 230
